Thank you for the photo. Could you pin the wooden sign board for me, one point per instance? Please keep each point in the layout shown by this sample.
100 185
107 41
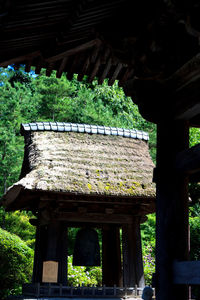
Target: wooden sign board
50 271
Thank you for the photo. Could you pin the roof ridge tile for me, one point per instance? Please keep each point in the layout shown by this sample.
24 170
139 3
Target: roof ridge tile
84 128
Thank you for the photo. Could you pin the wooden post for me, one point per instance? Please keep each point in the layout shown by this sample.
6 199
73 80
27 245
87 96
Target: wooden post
63 250
129 277
132 255
57 248
139 270
171 209
37 266
51 245
111 256
53 240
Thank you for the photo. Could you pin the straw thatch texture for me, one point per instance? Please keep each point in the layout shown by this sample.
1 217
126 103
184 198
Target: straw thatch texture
82 163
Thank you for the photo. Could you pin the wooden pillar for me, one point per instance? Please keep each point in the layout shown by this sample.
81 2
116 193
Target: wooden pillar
171 210
139 270
132 254
111 256
51 245
62 275
38 255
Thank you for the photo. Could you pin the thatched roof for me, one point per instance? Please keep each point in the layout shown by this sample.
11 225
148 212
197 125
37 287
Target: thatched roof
57 159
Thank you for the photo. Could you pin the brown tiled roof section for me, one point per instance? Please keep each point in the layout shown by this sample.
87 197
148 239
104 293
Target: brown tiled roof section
82 163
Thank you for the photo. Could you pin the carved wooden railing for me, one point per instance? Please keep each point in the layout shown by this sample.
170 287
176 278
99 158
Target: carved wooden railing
50 289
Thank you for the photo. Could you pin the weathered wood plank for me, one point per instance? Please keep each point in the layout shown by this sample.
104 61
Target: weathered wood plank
186 272
188 161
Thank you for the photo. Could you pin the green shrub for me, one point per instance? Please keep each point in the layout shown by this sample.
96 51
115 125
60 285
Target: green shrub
148 247
16 260
18 223
83 275
194 238
149 264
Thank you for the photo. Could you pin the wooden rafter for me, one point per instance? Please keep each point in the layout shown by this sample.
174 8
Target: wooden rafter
75 50
23 58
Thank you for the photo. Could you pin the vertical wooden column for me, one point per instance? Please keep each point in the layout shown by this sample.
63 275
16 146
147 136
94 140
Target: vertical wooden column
139 270
171 210
53 241
57 248
40 241
132 254
111 256
51 244
63 253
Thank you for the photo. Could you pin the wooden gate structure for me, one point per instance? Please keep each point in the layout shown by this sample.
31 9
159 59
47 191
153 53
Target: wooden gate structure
85 176
152 49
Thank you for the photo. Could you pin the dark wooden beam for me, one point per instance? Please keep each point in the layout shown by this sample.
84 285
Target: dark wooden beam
188 161
84 69
75 50
105 71
94 218
189 113
171 210
115 74
71 71
62 67
23 58
95 70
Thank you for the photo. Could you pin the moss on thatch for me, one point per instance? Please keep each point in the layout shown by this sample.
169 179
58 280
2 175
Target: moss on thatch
81 163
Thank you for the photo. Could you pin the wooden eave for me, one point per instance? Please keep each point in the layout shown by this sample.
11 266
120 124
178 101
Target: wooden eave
120 40
84 208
